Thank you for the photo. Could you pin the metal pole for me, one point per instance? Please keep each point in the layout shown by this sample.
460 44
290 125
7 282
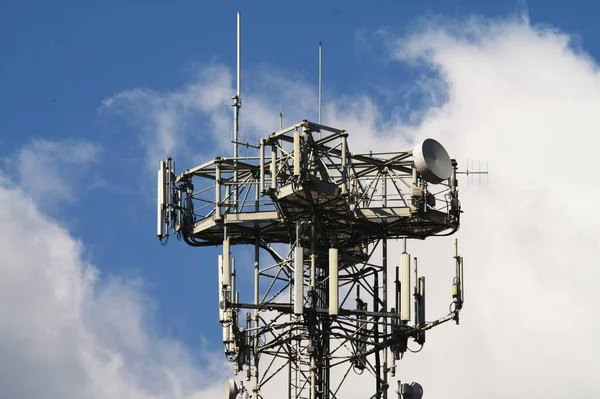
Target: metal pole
261 165
256 292
320 81
239 55
384 267
313 290
237 104
256 318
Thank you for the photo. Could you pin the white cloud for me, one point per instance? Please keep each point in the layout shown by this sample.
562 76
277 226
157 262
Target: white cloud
523 98
49 170
67 333
195 121
168 121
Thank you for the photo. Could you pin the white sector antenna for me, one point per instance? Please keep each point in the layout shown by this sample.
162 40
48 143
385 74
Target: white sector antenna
432 161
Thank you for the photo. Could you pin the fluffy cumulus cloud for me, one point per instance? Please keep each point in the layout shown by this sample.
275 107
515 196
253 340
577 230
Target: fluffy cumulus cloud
168 121
519 96
66 332
48 170
522 97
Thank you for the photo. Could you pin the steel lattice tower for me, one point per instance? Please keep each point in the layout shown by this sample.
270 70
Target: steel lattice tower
315 215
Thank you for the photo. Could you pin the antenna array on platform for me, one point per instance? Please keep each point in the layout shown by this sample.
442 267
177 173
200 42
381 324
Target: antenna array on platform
316 216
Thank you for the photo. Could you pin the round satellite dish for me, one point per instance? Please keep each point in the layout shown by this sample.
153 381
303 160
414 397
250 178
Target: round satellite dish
432 161
232 389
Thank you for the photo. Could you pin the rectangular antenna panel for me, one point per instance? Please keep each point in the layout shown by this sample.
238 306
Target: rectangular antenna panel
226 267
333 282
298 281
160 228
296 153
221 297
405 287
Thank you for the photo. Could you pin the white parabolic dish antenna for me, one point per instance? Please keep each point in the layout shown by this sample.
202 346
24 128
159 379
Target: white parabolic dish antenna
432 161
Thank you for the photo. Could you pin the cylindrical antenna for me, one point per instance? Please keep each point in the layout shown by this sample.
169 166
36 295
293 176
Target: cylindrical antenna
296 152
261 165
226 268
421 319
405 303
218 190
160 232
397 290
233 278
232 343
226 336
274 166
333 282
298 281
416 286
416 290
221 298
320 80
422 300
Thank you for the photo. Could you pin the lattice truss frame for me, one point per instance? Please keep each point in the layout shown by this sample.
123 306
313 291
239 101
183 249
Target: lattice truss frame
311 204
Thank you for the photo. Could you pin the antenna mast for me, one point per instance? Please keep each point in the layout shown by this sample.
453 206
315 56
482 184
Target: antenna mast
320 79
237 104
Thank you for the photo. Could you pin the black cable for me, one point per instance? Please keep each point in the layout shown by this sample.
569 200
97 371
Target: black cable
417 351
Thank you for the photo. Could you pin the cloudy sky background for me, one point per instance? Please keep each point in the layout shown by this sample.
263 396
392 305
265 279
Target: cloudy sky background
92 306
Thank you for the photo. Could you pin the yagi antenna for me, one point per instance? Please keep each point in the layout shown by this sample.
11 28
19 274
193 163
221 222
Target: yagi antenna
474 169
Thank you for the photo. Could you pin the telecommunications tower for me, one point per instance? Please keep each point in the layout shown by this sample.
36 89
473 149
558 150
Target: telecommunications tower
327 299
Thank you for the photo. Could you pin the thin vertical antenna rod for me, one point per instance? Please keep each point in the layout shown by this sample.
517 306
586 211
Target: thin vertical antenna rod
320 79
280 116
239 56
237 104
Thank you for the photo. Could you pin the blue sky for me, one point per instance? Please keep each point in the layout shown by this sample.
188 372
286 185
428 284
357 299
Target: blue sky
81 81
